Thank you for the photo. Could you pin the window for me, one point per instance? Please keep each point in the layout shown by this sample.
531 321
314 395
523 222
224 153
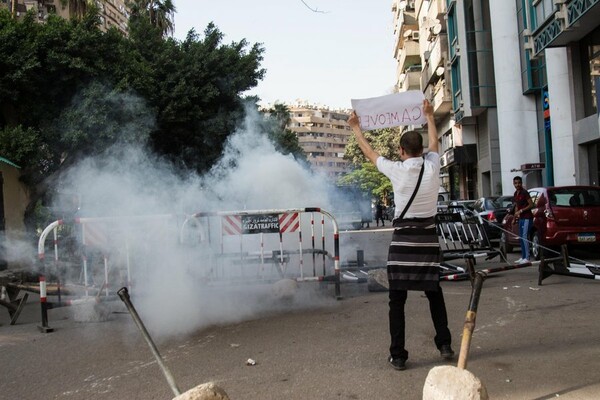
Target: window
480 56
452 35
454 57
543 9
456 85
590 71
533 72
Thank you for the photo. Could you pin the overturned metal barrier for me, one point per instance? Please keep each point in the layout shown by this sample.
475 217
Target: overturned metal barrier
15 306
562 265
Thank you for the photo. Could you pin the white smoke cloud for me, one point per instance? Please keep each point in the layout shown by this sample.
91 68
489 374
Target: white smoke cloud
178 285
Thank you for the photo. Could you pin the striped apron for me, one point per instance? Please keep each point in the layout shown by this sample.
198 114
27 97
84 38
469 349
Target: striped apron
414 255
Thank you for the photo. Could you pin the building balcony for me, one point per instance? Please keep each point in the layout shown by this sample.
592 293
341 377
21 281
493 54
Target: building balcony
409 80
434 59
437 10
407 55
441 98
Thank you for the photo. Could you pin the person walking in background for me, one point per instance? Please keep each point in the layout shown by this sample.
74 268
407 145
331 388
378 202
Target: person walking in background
414 253
523 216
379 213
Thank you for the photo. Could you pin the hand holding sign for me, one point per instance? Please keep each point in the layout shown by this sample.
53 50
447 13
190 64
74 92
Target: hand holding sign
396 109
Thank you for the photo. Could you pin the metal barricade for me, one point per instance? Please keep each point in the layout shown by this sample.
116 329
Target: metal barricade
215 242
229 236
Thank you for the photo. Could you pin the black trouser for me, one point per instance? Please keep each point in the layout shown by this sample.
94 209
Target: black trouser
437 307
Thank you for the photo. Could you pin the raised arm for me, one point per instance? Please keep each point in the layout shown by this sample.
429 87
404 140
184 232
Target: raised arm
364 145
431 129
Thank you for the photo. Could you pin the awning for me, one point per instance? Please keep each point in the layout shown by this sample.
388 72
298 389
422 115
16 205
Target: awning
5 161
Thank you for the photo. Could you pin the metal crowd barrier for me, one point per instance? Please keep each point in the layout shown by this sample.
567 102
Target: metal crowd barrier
217 238
228 234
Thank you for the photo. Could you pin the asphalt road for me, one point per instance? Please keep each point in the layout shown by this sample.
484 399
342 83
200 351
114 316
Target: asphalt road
530 342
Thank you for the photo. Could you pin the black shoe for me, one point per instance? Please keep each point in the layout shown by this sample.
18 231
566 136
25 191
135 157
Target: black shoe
397 363
446 352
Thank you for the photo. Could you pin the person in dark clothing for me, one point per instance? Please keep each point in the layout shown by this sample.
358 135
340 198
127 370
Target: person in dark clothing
523 216
414 252
379 214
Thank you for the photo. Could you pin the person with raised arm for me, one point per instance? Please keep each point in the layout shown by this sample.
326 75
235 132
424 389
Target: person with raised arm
414 252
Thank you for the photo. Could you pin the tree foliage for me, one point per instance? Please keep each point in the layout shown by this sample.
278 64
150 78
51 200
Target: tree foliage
286 141
159 13
68 90
365 175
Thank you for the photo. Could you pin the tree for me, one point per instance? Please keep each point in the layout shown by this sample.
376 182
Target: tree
160 14
286 141
365 175
78 8
195 87
183 97
68 90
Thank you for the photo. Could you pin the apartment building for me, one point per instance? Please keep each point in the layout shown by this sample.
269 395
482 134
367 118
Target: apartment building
323 134
113 13
521 76
421 50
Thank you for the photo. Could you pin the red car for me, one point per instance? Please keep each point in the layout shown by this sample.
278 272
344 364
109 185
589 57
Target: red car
561 215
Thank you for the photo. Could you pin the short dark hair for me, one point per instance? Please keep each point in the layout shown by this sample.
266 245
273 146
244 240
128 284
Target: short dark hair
412 143
518 178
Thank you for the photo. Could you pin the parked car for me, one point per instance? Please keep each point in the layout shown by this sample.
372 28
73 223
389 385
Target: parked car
492 212
561 215
454 206
505 201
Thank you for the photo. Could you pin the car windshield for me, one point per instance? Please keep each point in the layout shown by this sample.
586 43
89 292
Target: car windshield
492 204
574 197
505 201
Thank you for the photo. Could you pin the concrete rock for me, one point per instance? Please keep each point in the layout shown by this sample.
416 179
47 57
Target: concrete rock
452 383
205 391
90 311
284 289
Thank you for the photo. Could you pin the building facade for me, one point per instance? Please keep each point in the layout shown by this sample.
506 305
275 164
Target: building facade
13 199
323 135
113 13
521 77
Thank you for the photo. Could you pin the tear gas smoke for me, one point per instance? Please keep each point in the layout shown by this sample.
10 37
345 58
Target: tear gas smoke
169 277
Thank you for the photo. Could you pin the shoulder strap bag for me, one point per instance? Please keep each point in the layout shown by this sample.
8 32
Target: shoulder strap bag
401 217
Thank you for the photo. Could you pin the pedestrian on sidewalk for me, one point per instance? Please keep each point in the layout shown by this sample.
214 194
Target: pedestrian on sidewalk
523 216
414 253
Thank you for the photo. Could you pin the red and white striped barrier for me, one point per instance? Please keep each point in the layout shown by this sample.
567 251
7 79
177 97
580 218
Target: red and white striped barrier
43 302
95 234
275 221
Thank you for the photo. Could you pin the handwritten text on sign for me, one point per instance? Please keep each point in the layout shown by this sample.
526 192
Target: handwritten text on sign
396 109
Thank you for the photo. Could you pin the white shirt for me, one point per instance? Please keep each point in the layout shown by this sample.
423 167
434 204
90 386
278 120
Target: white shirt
404 176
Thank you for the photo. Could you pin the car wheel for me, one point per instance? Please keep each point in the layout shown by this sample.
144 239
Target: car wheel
535 246
505 248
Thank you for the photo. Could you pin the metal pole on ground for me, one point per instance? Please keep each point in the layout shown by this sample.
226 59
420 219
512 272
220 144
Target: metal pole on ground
124 295
44 328
470 318
312 239
456 382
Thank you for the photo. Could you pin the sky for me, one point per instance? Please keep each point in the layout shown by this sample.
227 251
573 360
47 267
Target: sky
343 51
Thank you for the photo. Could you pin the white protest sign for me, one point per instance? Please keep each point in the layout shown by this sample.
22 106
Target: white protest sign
396 109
